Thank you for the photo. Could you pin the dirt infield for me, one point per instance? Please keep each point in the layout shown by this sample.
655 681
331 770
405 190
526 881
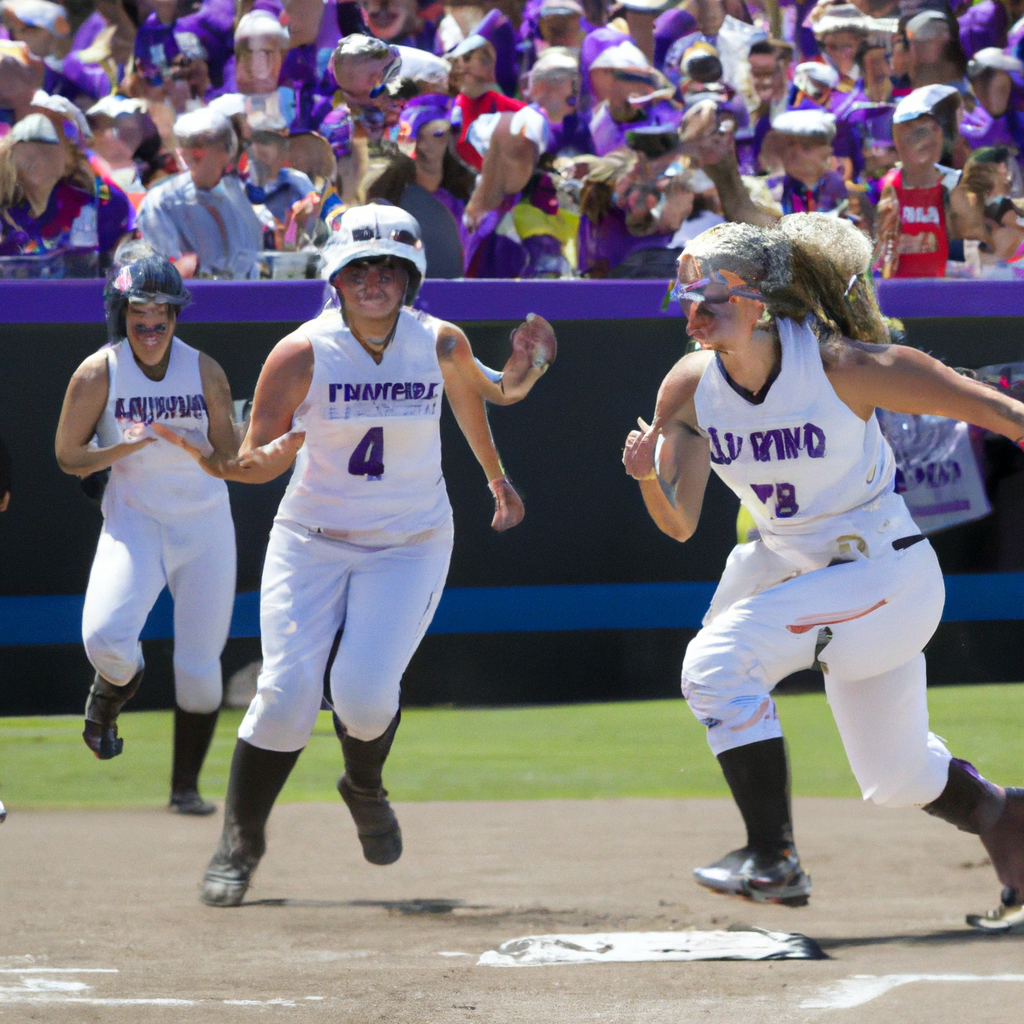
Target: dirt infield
101 921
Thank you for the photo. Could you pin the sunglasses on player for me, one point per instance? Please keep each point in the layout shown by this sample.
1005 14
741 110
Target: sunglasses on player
714 290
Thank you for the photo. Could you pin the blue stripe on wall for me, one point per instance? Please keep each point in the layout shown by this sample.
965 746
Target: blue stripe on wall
58 619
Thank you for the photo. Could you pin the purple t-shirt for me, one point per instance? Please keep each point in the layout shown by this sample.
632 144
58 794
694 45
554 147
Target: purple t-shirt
668 27
609 134
982 25
610 241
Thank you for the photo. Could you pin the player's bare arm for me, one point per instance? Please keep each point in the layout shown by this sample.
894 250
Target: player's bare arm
219 409
84 402
534 349
461 385
901 379
270 445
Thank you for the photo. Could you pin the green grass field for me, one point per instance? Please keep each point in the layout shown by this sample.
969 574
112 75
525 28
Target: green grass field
650 748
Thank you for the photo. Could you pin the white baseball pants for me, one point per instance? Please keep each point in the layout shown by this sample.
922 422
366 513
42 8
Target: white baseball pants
870 619
135 558
382 601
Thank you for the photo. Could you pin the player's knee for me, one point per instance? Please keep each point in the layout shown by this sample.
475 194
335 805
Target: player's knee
366 719
199 696
907 781
114 658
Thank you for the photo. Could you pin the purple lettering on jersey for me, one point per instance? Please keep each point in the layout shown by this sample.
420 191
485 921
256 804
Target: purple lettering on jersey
160 412
785 501
418 390
162 407
814 441
119 409
433 390
763 492
718 457
397 390
761 443
792 442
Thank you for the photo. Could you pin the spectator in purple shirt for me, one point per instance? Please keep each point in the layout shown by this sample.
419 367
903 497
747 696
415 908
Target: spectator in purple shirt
553 87
993 121
987 23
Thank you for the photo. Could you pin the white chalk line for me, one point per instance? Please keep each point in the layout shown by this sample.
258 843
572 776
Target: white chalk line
863 988
36 991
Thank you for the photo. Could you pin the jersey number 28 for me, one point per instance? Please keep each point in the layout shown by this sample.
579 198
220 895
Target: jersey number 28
368 458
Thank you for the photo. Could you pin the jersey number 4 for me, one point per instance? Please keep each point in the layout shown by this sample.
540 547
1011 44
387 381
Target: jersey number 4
785 498
368 458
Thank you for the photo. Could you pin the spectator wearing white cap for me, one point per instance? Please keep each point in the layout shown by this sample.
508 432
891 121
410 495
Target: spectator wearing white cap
632 95
839 30
923 205
261 42
202 217
553 87
43 27
51 200
934 53
816 85
993 121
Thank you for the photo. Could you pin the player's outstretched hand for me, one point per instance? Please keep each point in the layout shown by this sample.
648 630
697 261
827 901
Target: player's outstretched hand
256 466
508 506
534 348
638 455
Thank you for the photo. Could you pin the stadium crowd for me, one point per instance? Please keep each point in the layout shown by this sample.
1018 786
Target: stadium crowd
530 138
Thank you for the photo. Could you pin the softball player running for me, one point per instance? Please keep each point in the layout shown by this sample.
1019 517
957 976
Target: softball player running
359 550
165 522
780 402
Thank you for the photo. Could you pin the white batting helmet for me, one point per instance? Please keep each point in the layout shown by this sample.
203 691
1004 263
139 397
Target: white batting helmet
376 230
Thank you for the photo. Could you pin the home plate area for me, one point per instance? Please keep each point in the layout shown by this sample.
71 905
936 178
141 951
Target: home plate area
102 922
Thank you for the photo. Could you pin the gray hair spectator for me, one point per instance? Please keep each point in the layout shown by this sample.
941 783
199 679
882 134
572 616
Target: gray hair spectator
261 42
202 217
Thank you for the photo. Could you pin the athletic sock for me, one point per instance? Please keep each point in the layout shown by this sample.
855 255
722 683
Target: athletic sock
364 759
256 779
192 735
758 776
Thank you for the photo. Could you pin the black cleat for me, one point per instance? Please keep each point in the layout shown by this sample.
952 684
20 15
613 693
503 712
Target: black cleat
376 823
190 802
102 707
764 876
103 742
227 880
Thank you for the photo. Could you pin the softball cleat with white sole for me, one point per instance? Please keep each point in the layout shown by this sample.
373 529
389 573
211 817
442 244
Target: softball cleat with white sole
771 876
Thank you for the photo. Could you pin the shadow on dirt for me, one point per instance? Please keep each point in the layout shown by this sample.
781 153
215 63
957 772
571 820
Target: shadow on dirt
414 906
947 938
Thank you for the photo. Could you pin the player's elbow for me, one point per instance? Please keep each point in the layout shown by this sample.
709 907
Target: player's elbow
679 530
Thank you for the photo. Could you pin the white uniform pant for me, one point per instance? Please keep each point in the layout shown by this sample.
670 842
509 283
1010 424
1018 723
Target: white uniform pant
880 611
135 559
382 601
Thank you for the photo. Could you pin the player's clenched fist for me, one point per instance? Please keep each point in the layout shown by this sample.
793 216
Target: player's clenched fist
638 455
508 506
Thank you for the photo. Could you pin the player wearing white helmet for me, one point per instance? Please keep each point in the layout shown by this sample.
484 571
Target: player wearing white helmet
780 402
359 550
165 523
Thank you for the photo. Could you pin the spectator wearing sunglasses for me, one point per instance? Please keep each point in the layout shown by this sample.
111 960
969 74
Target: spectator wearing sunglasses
202 217
51 200
631 94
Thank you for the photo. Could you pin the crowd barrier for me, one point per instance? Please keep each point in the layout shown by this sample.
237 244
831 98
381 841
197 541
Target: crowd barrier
585 600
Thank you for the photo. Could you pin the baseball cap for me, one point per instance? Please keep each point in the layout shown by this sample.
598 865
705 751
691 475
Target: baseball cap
806 123
39 14
554 58
994 58
816 71
624 56
554 8
922 102
927 25
33 128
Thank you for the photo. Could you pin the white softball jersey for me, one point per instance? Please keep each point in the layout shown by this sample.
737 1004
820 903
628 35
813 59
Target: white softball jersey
165 523
159 479
370 468
818 480
824 582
